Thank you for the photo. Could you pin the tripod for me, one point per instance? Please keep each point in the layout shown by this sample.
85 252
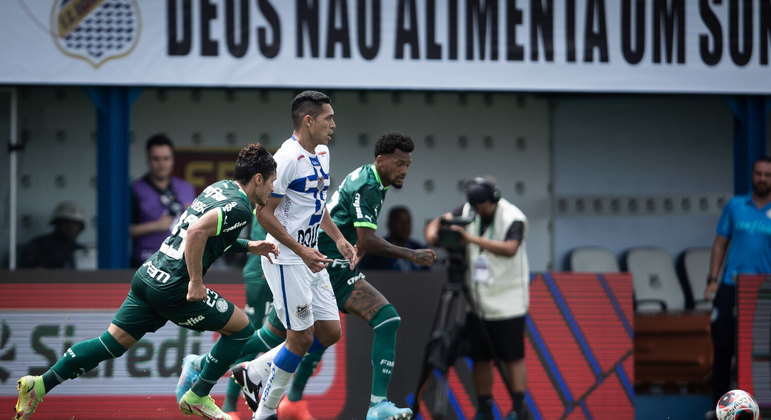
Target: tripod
444 346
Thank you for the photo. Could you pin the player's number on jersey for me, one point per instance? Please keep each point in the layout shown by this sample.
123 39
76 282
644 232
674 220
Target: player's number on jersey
178 251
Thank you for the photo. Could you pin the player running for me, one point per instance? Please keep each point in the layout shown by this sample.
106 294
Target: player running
354 208
169 287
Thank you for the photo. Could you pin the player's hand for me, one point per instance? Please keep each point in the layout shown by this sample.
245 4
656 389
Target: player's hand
263 248
196 291
349 252
314 259
709 292
425 257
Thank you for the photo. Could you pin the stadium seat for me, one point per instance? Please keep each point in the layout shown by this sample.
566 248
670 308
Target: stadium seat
593 259
695 269
656 285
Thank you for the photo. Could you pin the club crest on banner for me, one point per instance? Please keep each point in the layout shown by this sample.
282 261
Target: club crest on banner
95 30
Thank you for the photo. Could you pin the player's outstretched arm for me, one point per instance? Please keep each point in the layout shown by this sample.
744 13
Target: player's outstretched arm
368 241
263 248
195 242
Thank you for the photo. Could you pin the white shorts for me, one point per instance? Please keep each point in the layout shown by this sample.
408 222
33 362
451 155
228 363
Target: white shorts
300 296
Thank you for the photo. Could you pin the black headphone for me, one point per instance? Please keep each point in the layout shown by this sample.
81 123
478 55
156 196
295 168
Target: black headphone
493 194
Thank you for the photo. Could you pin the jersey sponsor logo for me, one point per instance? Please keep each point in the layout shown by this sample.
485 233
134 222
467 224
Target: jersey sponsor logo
222 305
192 321
236 226
214 192
229 206
303 311
96 30
308 237
156 273
354 279
339 263
198 206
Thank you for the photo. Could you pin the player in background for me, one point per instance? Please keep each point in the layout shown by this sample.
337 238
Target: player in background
169 287
354 208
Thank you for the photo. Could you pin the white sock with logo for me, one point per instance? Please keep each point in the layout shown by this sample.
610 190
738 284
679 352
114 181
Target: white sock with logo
259 368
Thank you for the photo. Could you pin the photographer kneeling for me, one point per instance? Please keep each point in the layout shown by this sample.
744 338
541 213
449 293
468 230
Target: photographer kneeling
498 280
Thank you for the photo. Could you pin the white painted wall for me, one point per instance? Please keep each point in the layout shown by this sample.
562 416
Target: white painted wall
548 152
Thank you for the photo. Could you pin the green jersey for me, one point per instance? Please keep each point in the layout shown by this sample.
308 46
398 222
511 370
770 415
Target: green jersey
356 203
167 267
253 266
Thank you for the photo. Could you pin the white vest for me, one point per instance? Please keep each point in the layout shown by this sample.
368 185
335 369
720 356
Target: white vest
506 295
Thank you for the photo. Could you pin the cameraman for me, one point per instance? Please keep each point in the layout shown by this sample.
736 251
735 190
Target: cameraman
498 280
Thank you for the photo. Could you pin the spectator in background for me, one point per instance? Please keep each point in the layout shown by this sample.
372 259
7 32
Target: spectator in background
399 230
744 241
56 249
157 200
498 282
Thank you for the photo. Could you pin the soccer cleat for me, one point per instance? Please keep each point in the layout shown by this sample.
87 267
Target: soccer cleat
204 407
386 410
188 376
250 389
31 392
293 410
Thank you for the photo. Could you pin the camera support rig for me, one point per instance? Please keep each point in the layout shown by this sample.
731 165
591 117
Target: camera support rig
444 345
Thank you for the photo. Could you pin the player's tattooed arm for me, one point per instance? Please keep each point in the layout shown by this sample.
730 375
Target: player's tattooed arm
195 242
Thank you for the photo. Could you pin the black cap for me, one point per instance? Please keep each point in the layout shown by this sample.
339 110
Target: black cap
477 194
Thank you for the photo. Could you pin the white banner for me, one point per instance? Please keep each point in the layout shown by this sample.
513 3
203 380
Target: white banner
683 46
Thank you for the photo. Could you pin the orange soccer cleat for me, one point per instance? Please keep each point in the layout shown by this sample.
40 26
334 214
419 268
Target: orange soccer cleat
293 410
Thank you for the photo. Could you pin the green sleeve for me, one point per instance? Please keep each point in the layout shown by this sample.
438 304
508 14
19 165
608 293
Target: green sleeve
239 246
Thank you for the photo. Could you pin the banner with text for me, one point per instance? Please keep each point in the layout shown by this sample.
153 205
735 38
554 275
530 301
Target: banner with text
681 46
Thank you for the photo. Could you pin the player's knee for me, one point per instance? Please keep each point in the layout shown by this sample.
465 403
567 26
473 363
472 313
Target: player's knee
386 319
243 334
114 348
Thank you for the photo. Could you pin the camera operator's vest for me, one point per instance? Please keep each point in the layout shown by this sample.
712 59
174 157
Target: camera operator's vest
506 295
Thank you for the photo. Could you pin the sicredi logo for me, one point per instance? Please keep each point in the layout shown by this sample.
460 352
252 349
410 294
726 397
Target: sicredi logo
95 30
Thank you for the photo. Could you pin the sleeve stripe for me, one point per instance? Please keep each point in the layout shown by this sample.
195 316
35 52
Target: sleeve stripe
276 195
365 224
219 220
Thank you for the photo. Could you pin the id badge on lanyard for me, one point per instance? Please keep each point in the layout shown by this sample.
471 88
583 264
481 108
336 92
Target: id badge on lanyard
481 269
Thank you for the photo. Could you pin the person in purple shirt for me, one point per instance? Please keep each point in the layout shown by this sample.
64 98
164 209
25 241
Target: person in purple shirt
157 200
743 243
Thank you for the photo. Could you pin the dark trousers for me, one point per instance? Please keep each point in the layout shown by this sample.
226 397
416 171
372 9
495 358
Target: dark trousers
723 331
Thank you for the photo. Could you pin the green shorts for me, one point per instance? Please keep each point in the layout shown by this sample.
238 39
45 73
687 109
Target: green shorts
343 281
146 309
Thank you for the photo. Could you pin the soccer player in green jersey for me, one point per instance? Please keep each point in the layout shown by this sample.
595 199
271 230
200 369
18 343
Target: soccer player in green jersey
354 208
169 287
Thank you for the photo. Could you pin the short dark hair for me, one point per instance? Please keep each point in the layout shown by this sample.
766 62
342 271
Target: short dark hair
253 159
388 142
397 209
159 139
309 102
764 159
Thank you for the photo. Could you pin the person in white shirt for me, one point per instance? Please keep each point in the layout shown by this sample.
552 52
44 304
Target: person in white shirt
498 282
302 293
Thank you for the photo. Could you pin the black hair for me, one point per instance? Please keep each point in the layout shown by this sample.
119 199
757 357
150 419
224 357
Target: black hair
309 102
159 139
764 159
388 142
254 159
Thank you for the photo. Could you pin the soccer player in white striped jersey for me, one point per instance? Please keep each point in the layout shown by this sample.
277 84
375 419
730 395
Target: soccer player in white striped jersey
302 293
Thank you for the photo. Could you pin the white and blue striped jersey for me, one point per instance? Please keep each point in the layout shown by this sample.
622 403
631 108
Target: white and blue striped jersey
302 181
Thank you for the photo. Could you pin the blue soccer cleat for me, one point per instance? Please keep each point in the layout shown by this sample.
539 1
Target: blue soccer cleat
386 410
188 376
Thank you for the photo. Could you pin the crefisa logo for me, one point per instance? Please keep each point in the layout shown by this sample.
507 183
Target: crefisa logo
95 30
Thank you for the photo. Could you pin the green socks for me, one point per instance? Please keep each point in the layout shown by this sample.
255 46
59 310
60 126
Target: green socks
385 324
81 358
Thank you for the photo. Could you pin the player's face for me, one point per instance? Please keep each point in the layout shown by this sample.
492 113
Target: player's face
761 179
160 159
262 191
322 127
395 167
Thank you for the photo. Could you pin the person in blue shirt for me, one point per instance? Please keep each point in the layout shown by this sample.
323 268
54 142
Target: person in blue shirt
743 242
